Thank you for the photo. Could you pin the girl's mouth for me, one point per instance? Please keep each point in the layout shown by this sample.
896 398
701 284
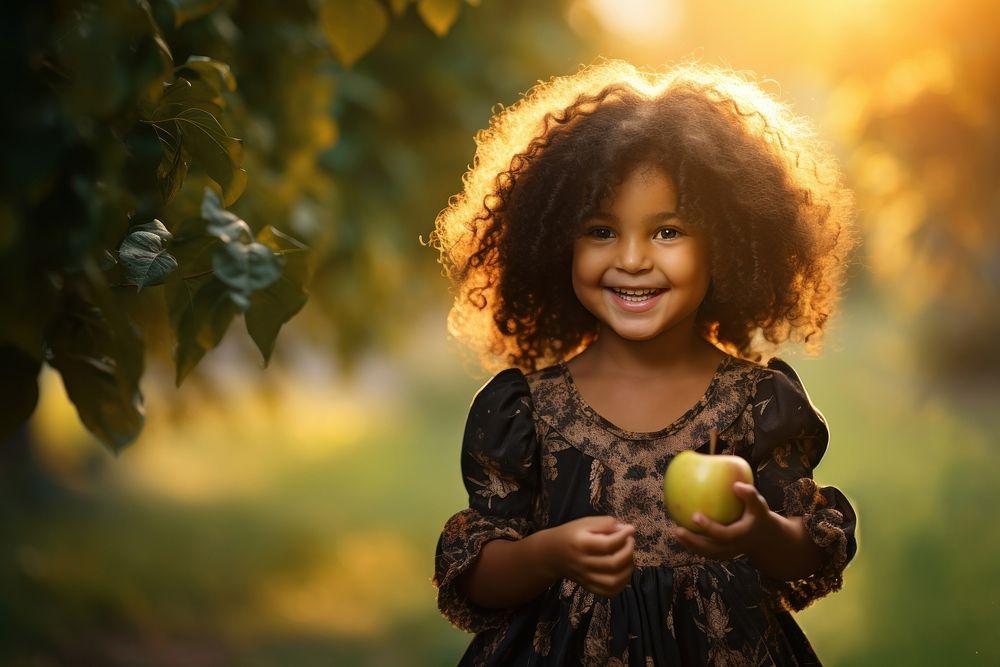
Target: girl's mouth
636 295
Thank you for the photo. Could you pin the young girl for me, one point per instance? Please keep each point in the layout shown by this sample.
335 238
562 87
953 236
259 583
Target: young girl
631 245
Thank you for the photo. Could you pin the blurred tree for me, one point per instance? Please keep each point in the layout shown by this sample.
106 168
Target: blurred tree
922 115
122 157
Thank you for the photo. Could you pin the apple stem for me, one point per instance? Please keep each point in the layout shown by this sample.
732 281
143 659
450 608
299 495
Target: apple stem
713 440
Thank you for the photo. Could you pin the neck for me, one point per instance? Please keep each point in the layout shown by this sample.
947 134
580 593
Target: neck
675 348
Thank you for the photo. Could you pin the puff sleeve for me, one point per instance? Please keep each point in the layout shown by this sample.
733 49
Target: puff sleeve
501 474
790 438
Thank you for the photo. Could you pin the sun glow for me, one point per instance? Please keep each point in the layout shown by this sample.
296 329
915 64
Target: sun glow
217 452
643 21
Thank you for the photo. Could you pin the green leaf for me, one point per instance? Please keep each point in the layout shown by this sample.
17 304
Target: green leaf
223 224
192 246
240 299
239 262
200 312
144 256
220 154
280 242
439 15
164 62
352 27
187 125
108 261
184 93
100 365
19 389
246 266
199 304
189 10
213 72
154 227
273 306
171 172
173 168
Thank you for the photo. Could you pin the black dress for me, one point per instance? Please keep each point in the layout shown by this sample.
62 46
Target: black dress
535 456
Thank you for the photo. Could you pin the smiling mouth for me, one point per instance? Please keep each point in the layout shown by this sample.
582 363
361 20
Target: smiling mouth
636 295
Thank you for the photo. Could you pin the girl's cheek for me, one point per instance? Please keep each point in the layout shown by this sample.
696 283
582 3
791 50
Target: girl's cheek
686 270
692 267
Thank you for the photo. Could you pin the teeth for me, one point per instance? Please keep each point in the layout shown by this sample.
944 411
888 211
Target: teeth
635 294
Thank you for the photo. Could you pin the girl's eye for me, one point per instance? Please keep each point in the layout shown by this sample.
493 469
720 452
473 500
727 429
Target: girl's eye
667 234
600 232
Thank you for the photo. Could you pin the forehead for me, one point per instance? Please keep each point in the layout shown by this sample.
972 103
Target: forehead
645 188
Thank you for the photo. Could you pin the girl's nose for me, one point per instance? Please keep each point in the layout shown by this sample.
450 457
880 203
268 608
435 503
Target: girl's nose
633 257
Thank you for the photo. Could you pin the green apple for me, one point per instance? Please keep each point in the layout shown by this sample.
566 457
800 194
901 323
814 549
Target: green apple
704 483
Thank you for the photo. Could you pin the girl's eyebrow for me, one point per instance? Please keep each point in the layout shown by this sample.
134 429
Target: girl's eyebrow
662 216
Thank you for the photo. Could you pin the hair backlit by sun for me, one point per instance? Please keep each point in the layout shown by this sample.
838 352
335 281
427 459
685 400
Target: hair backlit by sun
469 232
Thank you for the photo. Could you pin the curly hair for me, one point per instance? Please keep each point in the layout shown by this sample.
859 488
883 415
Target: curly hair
769 194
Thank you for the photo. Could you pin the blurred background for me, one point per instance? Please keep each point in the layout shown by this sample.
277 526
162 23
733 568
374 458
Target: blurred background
288 516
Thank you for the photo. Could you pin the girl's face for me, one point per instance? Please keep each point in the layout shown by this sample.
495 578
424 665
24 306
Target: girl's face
638 268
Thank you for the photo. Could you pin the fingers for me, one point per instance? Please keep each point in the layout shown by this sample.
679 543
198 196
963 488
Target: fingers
613 575
604 524
712 529
598 524
751 497
720 541
616 562
602 558
605 544
754 506
705 545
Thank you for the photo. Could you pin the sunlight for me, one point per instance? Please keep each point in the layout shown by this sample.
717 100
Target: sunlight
219 451
931 71
645 21
359 586
65 448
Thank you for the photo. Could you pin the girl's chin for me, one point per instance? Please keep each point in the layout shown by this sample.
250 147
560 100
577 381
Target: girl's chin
634 334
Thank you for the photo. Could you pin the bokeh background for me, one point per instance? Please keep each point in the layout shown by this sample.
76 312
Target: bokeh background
288 516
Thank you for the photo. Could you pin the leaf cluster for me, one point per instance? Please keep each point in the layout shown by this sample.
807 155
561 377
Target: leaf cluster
109 145
173 165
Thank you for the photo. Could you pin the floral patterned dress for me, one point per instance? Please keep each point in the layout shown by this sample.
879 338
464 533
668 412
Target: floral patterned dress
535 456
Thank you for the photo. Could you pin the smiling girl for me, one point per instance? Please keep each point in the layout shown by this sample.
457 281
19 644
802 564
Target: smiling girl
631 246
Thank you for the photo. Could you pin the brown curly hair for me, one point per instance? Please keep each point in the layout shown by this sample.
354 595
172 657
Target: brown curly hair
769 194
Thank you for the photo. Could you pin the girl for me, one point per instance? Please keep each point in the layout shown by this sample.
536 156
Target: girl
632 246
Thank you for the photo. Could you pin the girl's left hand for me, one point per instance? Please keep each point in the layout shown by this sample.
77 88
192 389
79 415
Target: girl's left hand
721 541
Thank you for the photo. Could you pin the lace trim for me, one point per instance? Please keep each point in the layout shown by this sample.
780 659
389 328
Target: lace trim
671 428
461 541
825 527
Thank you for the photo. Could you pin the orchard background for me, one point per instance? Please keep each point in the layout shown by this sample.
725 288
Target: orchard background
194 190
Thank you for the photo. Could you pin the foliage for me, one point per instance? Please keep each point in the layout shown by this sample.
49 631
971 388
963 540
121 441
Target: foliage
127 138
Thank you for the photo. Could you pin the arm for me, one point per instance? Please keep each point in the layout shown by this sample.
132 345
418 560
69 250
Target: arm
786 551
595 551
790 437
492 556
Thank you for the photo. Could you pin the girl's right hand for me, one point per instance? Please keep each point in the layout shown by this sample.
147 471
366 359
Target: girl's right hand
595 552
